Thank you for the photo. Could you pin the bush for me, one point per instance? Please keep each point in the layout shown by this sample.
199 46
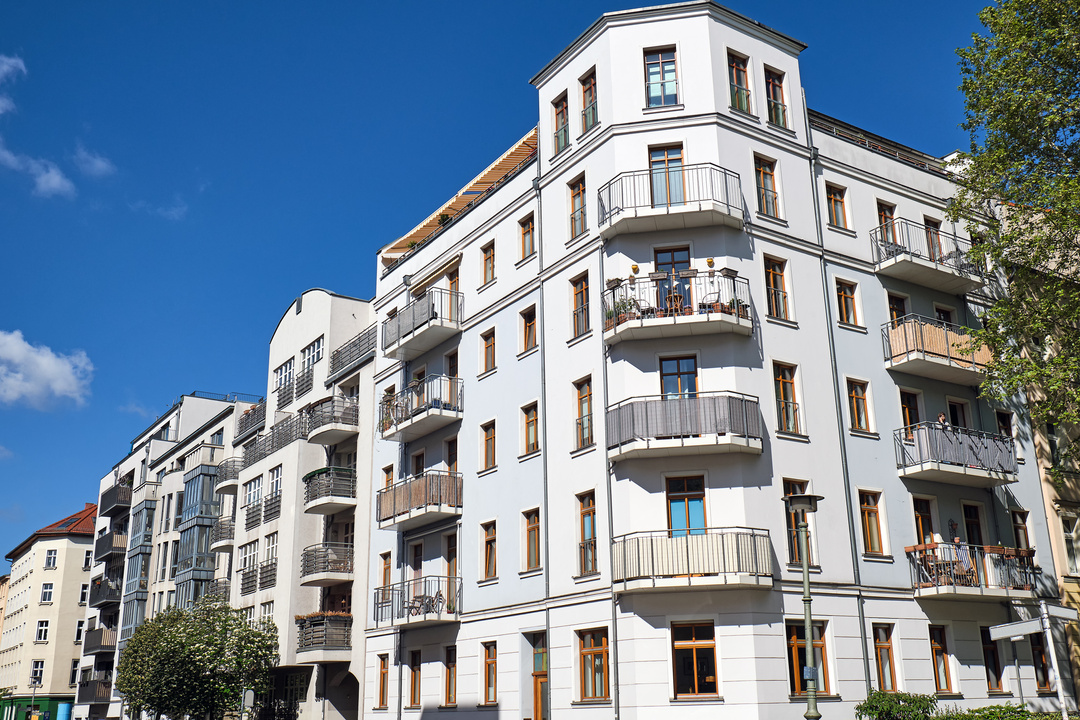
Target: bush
1007 711
896 706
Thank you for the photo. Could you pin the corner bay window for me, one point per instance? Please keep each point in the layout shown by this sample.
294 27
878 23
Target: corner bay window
693 649
796 642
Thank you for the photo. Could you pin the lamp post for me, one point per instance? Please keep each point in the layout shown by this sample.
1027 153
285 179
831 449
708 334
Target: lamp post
35 683
804 504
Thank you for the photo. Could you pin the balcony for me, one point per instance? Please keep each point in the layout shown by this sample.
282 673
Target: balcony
268 574
431 319
109 544
221 537
323 638
104 591
219 588
115 501
305 381
333 421
703 423
228 475
326 564
94 692
249 579
427 600
251 420
683 303
933 349
925 256
971 572
422 408
420 499
679 197
351 354
955 455
696 559
329 490
99 641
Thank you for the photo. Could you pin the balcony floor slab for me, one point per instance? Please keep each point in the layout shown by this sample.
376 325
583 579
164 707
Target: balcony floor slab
419 516
727 581
700 323
421 424
921 271
935 368
330 505
978 594
424 338
332 433
326 579
674 447
319 656
957 474
704 213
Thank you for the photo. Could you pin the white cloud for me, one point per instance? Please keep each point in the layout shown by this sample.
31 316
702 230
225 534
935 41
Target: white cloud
174 212
49 180
36 374
136 409
5 453
6 104
9 65
92 164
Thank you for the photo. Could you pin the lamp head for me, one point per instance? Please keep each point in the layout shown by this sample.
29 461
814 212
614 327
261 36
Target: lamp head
802 503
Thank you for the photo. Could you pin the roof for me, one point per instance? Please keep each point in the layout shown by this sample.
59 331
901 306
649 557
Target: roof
78 524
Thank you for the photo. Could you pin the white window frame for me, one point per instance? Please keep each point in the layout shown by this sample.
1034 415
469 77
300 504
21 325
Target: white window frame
46 593
312 354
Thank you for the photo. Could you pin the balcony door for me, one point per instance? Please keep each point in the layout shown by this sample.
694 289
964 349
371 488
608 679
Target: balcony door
678 386
666 175
673 292
541 701
686 506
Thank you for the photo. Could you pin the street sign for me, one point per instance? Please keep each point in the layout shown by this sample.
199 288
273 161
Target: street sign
1062 612
1008 630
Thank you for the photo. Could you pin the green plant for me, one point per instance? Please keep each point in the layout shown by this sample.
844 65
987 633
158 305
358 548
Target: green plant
1007 711
443 219
896 706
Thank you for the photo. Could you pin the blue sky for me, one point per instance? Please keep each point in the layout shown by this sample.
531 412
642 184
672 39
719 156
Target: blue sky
173 174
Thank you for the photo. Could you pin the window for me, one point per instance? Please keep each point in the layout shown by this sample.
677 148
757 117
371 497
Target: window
384 560
562 125
218 438
933 238
594 664
84 590
490 674
1020 531
897 307
584 434
275 481
73 678
886 674
528 246
46 592
37 672
266 611
1039 662
787 409
860 419
88 556
909 407
667 180
581 305
871 522
740 89
528 329
414 679
488 339
283 375
1004 422
924 521
991 661
388 475
42 631
686 505
50 558
577 208
532 539
939 652
311 354
489 445
532 431
587 512
796 487
491 569
489 262
79 625
972 524
661 78
834 196
451 454
796 640
885 215
775 288
943 314
774 89
1069 530
450 680
589 118
845 301
693 649
765 172
384 680
253 491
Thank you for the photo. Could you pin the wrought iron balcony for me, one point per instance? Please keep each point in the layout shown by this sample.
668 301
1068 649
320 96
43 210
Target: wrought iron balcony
99 641
924 255
670 199
431 319
333 420
354 351
252 419
104 591
971 572
324 638
325 564
330 490
221 537
115 501
695 558
420 499
421 601
930 348
692 424
955 455
228 477
111 543
686 302
423 407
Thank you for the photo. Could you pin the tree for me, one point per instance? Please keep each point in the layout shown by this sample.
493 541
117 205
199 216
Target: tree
196 662
1019 192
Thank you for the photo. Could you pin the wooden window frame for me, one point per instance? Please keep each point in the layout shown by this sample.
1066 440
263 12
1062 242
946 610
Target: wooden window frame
580 315
870 512
939 650
886 213
583 406
765 177
859 404
884 647
588 650
387 570
662 56
532 429
666 372
589 100
909 412
528 329
792 519
528 237
489 445
491 559
488 354
415 697
384 682
845 302
491 674
450 676
532 539
695 646
1021 536
834 200
578 219
739 83
776 288
991 657
679 488
1040 663
561 136
795 679
774 92
786 393
927 516
488 262
587 564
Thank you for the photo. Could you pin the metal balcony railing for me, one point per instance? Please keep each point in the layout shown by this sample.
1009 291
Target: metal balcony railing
580 315
587 564
285 393
116 498
904 237
583 432
959 565
92 692
787 417
434 304
589 117
99 640
330 482
435 392
280 434
272 506
354 350
229 470
268 574
324 632
104 590
219 588
109 543
253 515
683 293
433 487
139 583
660 416
777 113
918 334
251 419
335 410
740 97
431 594
224 529
305 380
696 551
249 579
561 138
672 187
951 445
326 558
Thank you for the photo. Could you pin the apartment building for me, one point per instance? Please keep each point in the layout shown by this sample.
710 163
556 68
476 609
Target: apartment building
606 361
43 623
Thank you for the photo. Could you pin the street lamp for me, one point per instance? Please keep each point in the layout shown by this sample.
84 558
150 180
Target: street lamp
35 683
803 504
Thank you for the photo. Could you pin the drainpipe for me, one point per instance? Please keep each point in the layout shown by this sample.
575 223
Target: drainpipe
852 536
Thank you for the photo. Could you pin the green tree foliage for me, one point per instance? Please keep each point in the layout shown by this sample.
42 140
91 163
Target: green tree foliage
196 662
1019 192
